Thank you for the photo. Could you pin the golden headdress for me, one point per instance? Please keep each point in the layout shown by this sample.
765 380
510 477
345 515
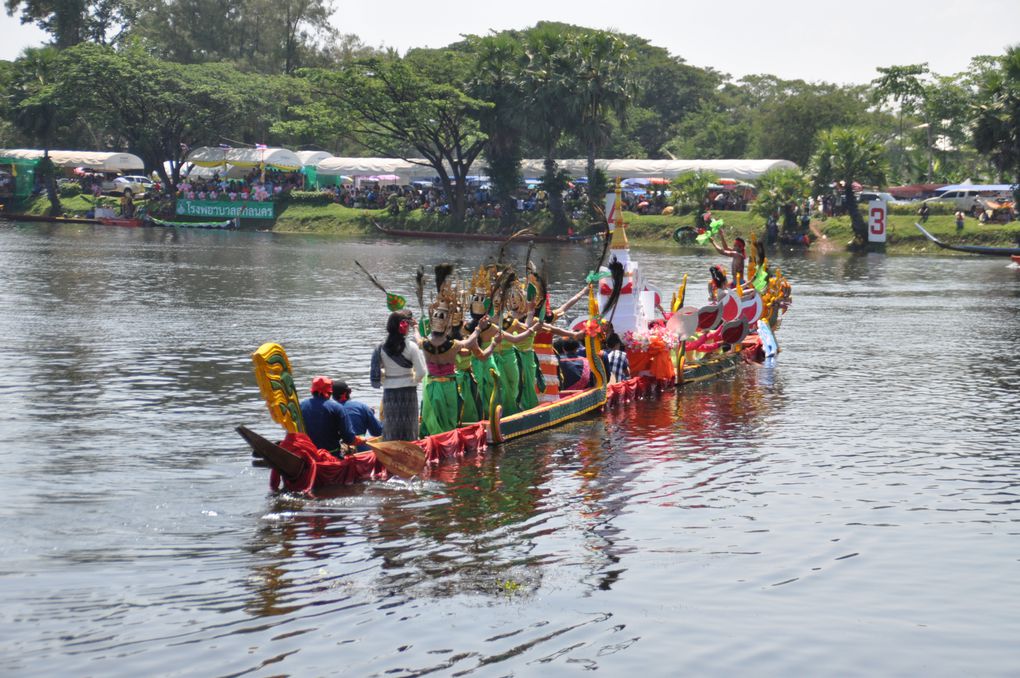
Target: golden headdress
448 296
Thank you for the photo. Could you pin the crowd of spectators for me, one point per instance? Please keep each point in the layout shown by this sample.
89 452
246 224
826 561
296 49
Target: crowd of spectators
481 202
255 186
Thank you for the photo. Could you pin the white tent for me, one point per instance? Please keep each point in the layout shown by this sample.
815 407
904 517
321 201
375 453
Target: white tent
743 170
96 160
247 158
364 167
312 158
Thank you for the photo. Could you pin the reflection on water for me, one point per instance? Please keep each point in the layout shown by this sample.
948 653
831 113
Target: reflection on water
850 509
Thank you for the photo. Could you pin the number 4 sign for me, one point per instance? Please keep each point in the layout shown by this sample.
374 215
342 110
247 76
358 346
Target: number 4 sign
876 221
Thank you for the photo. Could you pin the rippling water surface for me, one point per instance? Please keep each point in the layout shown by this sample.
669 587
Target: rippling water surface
850 511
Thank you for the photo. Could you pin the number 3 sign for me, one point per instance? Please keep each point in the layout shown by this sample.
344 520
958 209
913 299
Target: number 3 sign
876 221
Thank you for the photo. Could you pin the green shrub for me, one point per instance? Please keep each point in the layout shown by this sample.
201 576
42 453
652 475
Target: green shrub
933 208
69 190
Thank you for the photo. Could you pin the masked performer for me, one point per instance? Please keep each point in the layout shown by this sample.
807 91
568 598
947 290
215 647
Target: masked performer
518 336
441 401
479 308
471 408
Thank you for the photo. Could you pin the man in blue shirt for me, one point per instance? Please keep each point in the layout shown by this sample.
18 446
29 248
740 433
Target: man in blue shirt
361 417
326 421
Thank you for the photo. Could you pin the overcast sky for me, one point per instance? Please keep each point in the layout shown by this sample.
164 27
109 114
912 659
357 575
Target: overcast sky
812 40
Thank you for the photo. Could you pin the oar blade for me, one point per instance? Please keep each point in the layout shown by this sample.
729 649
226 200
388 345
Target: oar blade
734 331
400 458
709 317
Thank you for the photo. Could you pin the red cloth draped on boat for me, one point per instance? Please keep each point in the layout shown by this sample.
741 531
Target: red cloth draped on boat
654 362
453 444
623 391
322 468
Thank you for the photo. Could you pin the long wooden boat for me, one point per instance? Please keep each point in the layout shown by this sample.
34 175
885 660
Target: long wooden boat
488 237
973 249
719 348
224 224
122 221
39 217
297 466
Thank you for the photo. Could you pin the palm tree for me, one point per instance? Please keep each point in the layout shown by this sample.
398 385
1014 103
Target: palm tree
847 155
601 87
547 84
997 128
498 80
780 191
903 84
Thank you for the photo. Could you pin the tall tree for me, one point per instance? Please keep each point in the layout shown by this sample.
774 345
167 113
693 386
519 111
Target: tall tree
414 108
848 155
70 22
997 127
905 86
497 80
271 36
788 121
35 111
157 110
601 88
668 91
547 86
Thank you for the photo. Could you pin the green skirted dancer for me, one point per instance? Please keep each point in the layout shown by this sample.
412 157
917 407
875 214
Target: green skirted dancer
440 405
483 377
471 407
510 374
528 397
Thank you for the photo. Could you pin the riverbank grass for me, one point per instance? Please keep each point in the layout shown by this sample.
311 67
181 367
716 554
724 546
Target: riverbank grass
832 234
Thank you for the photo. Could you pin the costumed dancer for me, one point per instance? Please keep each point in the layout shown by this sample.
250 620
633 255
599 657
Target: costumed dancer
441 400
479 307
397 368
471 409
516 334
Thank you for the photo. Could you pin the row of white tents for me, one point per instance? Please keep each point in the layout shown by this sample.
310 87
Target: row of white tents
93 160
236 162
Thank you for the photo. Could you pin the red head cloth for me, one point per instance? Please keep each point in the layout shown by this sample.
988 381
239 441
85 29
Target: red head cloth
323 386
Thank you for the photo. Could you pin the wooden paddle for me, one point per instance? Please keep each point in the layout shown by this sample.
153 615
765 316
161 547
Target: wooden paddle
400 458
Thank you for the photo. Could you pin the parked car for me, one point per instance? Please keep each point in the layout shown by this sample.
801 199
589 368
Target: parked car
964 200
132 184
867 196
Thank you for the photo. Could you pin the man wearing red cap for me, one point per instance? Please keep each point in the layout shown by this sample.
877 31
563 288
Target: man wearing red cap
326 421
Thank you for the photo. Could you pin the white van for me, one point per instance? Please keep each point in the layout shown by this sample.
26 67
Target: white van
964 200
969 198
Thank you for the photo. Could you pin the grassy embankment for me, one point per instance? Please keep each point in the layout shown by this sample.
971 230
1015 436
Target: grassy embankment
657 231
653 231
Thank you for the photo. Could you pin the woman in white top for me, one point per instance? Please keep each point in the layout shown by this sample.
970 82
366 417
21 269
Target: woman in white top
397 367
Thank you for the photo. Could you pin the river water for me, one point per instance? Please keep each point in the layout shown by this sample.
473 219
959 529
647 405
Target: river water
852 510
